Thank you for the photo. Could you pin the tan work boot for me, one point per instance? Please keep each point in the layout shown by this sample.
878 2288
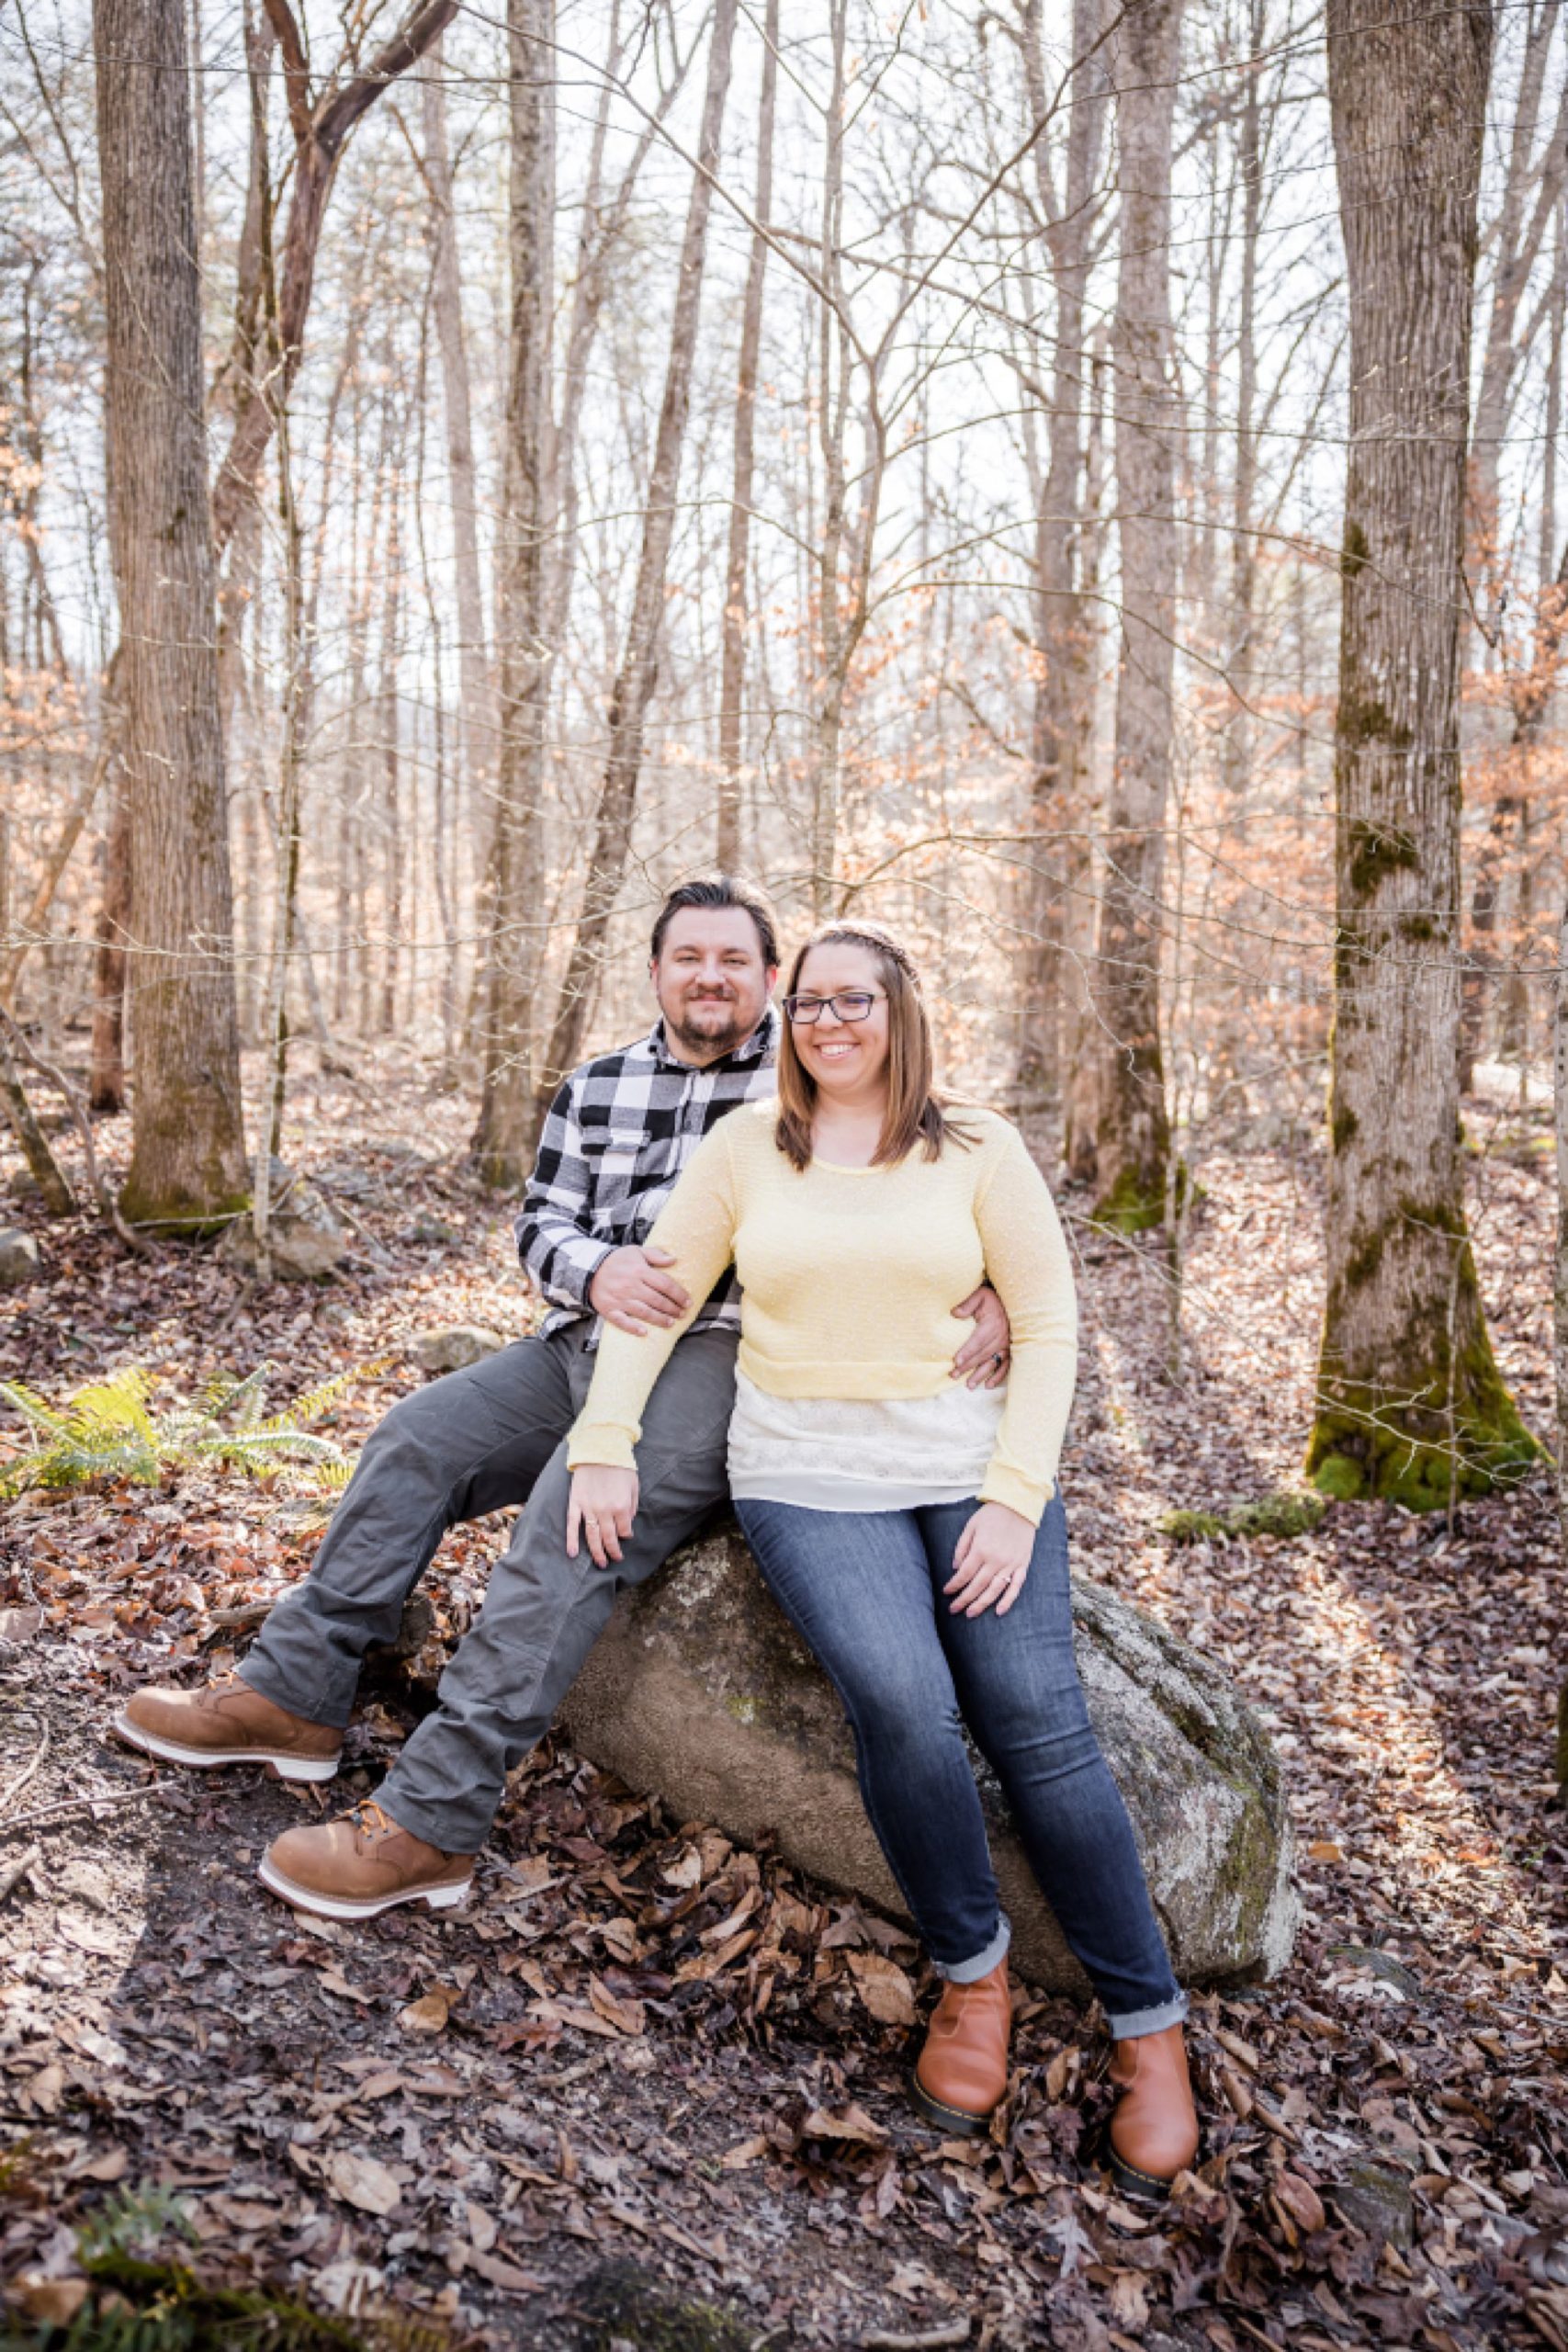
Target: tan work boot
1154 2128
361 1864
961 2072
228 1722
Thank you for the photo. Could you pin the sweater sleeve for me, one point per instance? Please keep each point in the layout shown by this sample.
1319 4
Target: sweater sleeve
697 1225
1028 1265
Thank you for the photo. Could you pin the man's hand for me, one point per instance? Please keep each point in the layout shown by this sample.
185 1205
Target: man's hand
603 1504
629 1285
985 1355
990 1561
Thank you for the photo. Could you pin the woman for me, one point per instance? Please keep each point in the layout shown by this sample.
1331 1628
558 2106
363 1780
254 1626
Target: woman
909 1528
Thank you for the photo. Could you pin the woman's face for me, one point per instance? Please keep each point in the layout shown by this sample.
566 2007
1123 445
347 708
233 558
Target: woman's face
846 1057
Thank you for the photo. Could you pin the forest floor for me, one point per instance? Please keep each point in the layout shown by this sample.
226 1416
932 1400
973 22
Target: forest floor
526 2121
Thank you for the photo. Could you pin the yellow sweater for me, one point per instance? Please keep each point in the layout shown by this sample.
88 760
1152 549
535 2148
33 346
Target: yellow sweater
850 1276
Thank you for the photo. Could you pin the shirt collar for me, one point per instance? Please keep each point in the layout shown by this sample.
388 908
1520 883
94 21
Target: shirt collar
763 1041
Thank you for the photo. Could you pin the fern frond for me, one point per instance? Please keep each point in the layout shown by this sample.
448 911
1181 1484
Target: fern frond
315 1401
33 1409
119 1403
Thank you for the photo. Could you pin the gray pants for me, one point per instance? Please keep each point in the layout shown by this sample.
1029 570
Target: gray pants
481 1441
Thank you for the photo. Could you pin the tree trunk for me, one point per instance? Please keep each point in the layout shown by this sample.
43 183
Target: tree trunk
1060 679
1532 181
187 1167
1134 1139
639 661
1236 752
105 1083
1410 1402
502 1140
732 686
473 659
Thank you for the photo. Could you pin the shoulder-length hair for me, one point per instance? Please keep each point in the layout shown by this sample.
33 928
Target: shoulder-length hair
914 1114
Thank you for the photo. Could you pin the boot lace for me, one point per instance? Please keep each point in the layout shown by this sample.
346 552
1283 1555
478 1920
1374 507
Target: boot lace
369 1820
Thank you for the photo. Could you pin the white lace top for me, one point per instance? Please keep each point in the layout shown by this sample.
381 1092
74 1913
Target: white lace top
861 1453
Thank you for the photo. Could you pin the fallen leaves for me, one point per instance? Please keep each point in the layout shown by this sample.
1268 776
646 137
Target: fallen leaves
430 2012
883 1987
362 2181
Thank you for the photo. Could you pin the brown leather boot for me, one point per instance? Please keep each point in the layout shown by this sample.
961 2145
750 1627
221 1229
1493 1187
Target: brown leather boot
364 1863
1154 2127
961 2072
228 1722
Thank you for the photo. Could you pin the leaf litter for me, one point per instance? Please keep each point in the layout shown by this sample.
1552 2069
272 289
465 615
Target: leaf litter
640 2045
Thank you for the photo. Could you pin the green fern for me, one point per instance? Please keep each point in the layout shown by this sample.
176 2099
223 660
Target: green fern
109 1430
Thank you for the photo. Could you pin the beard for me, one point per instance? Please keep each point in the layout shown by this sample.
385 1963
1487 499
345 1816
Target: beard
710 1025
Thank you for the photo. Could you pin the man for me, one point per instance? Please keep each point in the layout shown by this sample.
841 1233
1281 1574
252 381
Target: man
494 1436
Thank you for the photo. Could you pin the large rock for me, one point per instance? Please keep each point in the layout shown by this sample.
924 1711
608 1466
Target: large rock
305 1241
19 1258
451 1347
701 1689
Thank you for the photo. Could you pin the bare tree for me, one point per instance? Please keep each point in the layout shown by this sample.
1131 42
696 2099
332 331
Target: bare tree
502 1142
633 690
187 1167
1134 1137
732 684
1410 1401
473 659
322 123
1068 217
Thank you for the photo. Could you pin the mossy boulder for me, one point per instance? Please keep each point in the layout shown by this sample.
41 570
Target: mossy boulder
700 1688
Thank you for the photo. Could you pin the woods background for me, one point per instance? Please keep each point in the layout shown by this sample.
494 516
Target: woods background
1078 484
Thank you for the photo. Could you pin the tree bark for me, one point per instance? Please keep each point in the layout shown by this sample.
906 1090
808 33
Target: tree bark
1059 636
473 658
732 684
1410 1402
105 1080
634 684
1532 183
503 1139
1134 1137
187 1167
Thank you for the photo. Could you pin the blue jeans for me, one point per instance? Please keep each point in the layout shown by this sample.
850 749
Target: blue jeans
863 1588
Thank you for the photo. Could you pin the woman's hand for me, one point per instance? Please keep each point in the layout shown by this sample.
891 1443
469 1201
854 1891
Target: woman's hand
603 1504
990 1562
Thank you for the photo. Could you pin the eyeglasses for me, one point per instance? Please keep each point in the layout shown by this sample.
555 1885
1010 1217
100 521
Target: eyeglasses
850 1004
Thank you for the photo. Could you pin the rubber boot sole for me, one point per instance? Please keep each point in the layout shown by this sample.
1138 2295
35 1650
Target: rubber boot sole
1130 2182
444 1897
961 2121
287 1766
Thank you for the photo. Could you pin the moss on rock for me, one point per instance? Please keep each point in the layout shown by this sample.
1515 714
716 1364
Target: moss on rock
1285 1514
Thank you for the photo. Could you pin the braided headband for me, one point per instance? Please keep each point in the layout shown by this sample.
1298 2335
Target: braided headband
881 942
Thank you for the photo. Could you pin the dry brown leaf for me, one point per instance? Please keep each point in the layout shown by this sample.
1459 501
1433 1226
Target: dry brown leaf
883 1987
745 2151
1300 2201
851 2123
626 2014
430 2012
362 2181
685 1870
503 2274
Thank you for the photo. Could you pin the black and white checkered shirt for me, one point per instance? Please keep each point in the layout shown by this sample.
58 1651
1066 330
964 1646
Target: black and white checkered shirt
616 1139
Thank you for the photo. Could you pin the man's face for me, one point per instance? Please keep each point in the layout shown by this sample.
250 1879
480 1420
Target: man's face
711 981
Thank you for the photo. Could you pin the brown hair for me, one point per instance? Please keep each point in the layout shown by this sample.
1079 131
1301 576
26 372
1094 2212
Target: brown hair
914 1114
720 890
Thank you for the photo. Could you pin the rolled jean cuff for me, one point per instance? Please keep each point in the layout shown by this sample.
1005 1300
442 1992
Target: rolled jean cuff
1131 2023
969 1972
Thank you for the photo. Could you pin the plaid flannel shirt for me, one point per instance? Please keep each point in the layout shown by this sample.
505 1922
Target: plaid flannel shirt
616 1136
